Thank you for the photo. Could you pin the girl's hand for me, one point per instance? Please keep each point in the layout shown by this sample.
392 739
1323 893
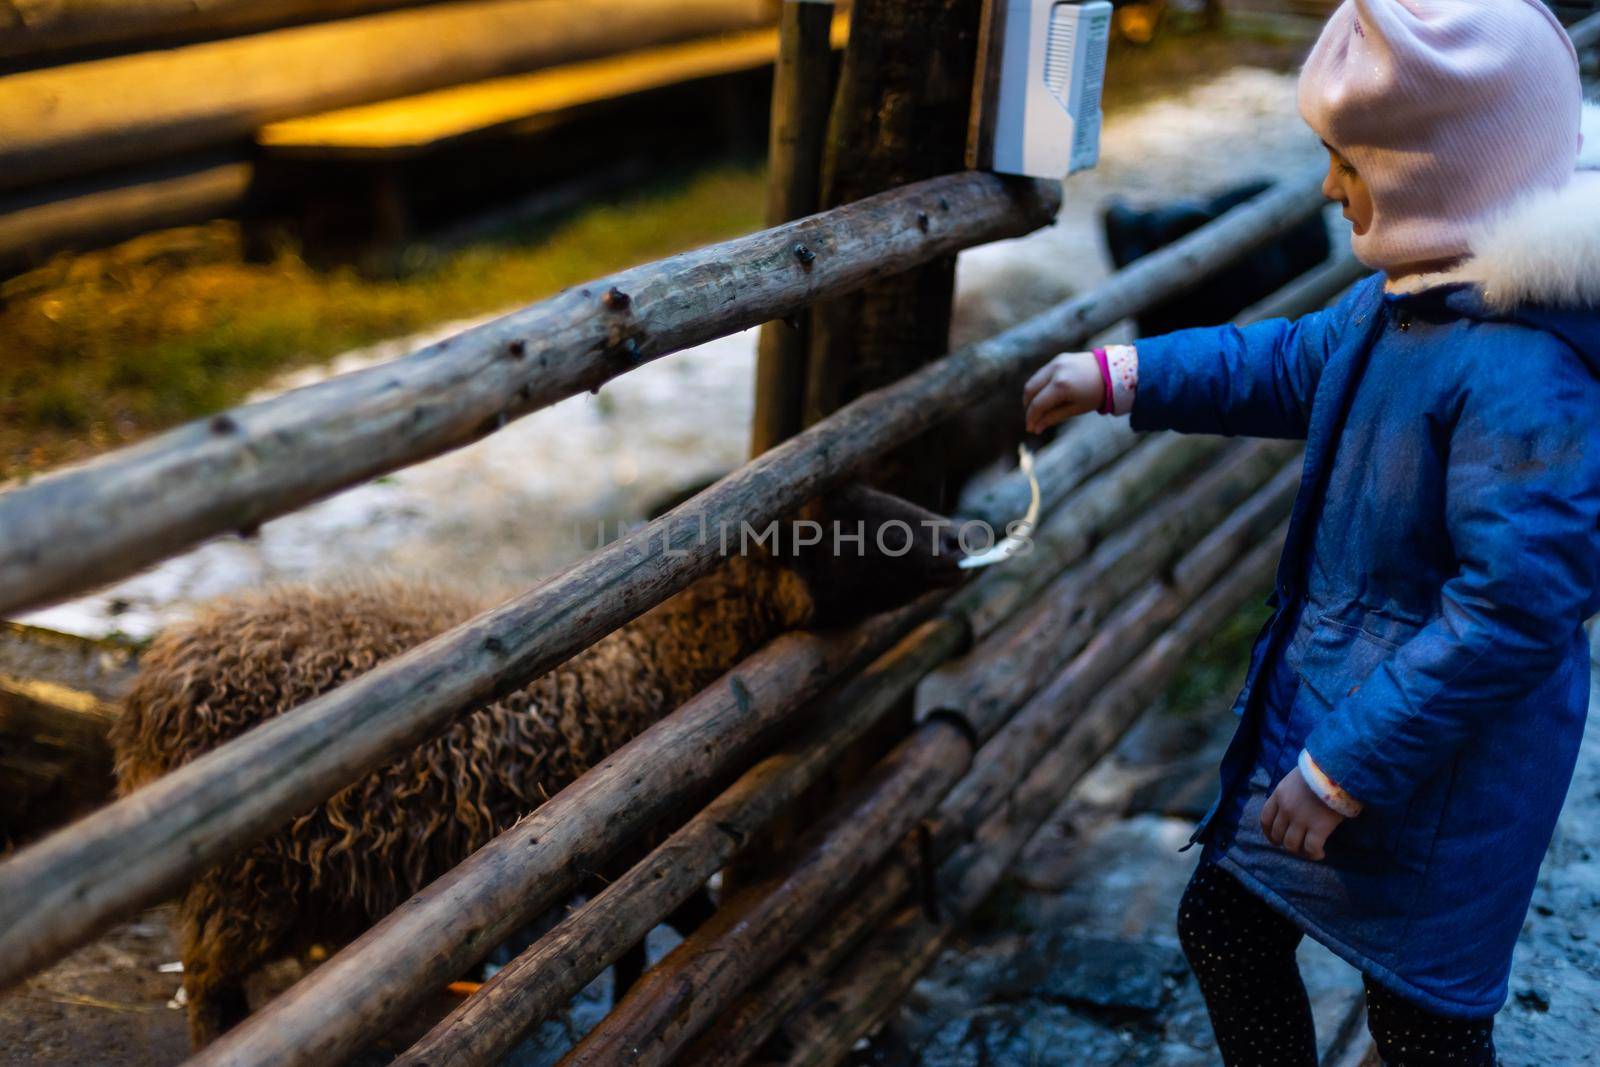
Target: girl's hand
1068 385
1296 819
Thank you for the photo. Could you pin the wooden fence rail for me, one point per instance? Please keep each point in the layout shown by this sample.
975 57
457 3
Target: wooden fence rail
551 971
354 996
653 1023
586 942
81 527
66 888
882 972
968 874
60 892
1585 34
762 923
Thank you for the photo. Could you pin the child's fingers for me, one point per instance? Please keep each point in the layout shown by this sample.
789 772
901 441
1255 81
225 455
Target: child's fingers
1056 391
1269 813
1294 838
1051 406
1038 381
1280 825
1315 844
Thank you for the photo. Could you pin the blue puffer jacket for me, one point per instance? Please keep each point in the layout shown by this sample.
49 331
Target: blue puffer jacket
1426 645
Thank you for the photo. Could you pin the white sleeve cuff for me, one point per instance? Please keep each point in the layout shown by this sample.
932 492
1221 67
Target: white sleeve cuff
1327 791
1122 361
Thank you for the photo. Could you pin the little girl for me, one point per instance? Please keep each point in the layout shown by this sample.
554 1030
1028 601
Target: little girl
1414 706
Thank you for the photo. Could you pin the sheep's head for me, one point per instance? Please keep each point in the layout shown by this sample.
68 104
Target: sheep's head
862 551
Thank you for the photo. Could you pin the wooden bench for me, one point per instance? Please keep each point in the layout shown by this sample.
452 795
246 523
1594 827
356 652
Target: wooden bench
523 103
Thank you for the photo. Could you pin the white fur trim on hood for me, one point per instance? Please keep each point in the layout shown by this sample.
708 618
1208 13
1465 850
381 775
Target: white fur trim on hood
1545 249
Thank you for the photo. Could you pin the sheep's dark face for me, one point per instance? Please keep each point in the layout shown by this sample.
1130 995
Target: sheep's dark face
875 552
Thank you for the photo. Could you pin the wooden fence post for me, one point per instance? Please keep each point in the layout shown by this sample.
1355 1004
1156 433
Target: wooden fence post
901 113
802 90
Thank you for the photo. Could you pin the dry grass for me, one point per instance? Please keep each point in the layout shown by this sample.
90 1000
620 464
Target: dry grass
105 347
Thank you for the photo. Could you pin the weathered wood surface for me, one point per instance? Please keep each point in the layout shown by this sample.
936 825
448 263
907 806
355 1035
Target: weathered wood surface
657 1019
63 890
883 971
486 1026
360 993
745 1025
899 115
543 978
59 121
802 90
34 226
1585 34
1146 473
331 1008
1139 618
741 1030
679 996
1081 449
34 29
984 687
409 125
86 525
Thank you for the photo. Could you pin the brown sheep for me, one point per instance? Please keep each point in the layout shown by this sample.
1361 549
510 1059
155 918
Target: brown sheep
338 869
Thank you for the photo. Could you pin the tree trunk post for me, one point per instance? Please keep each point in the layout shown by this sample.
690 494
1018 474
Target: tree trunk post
900 113
802 91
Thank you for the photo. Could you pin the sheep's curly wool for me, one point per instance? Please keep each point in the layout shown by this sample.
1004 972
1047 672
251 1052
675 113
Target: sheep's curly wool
337 869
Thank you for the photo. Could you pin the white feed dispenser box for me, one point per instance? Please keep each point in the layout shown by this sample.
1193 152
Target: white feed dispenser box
1052 59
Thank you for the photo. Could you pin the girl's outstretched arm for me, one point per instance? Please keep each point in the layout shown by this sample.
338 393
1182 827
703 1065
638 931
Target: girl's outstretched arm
1253 381
1256 380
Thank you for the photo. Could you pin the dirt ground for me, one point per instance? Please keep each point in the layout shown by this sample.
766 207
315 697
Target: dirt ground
108 1003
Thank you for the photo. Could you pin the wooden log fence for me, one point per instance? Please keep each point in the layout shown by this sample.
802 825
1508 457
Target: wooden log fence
984 688
883 970
654 1022
87 525
544 977
1585 34
1081 449
350 999
62 891
745 1026
680 996
1133 623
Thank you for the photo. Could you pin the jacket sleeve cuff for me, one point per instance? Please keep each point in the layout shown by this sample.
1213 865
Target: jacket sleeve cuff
1122 363
1326 789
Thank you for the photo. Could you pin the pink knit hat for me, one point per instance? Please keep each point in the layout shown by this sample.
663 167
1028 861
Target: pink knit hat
1450 110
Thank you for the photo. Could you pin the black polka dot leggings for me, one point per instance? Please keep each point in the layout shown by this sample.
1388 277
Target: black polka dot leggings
1242 954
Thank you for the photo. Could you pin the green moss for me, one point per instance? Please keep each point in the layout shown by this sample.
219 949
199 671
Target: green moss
1215 671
